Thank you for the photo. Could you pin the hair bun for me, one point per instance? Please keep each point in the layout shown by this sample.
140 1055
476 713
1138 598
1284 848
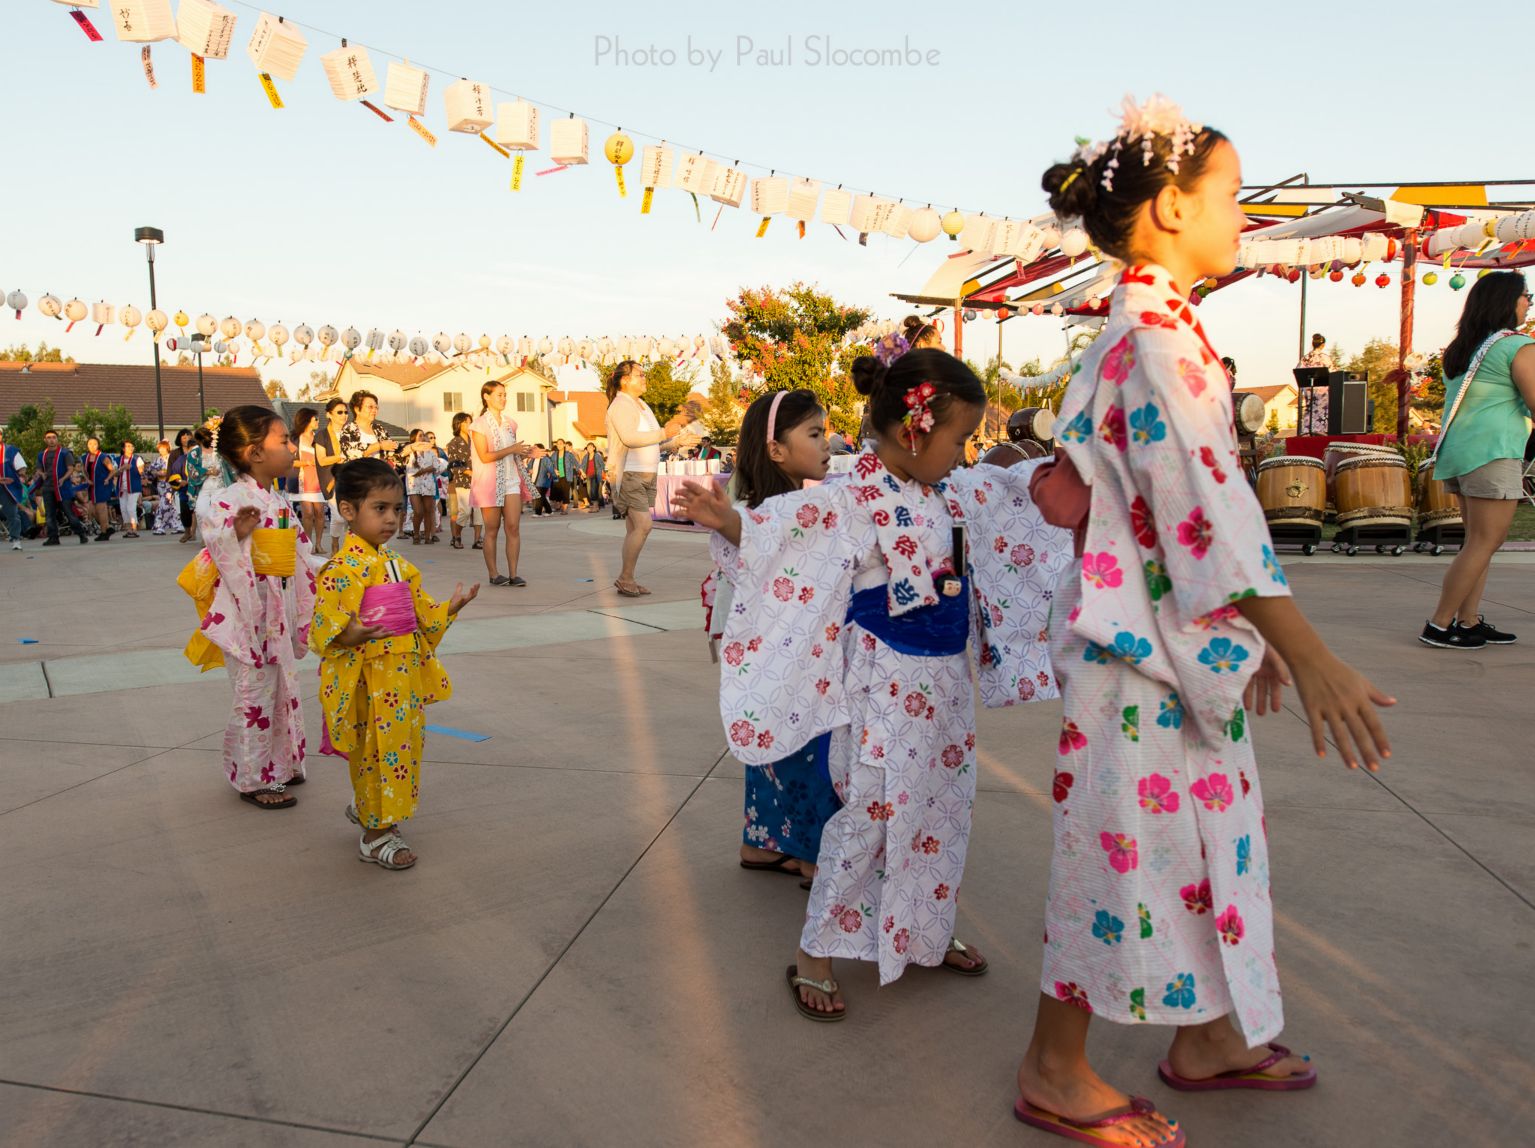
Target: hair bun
912 326
1072 188
868 374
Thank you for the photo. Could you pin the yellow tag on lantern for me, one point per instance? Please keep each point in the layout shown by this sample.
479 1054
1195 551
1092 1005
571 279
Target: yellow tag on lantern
517 173
618 173
420 129
271 90
495 145
650 193
199 77
762 227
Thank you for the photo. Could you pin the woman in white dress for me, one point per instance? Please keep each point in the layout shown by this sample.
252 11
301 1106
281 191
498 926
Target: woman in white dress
309 499
496 484
421 482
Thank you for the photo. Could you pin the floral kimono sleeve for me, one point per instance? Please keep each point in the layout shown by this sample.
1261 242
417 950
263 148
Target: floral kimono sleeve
781 684
718 590
232 622
1016 559
338 598
1191 502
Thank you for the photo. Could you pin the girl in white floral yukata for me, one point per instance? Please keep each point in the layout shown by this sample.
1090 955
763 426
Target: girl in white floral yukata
1159 909
855 604
257 624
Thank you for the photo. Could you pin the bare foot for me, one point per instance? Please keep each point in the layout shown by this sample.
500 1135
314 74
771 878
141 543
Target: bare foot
1080 1094
768 857
817 969
1201 1051
269 797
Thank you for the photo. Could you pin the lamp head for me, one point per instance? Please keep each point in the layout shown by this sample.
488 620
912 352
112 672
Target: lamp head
150 236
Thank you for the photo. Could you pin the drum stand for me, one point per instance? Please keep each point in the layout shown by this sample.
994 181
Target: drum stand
1434 539
1307 537
1385 536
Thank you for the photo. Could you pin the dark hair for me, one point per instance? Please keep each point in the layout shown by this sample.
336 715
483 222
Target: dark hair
1318 339
485 389
241 429
459 420
414 436
1076 189
301 420
359 478
183 431
620 373
357 399
758 477
1491 305
1230 364
203 437
914 329
330 406
887 387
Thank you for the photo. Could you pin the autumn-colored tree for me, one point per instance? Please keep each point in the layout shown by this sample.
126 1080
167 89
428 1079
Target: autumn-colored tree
21 353
793 338
275 389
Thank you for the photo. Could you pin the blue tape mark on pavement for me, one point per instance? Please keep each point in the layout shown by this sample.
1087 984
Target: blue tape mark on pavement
467 735
28 641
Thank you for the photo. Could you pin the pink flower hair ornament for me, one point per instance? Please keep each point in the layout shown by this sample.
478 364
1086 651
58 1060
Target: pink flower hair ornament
1158 117
919 410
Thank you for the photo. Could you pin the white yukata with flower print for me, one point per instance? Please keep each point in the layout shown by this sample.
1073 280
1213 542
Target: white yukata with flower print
902 754
1159 886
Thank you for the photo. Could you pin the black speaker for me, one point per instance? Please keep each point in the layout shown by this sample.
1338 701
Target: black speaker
1348 403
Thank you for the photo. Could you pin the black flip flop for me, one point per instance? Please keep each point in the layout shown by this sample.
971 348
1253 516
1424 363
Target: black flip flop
773 866
289 803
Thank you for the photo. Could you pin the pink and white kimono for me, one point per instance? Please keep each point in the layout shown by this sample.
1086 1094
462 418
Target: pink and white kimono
261 625
834 585
1159 885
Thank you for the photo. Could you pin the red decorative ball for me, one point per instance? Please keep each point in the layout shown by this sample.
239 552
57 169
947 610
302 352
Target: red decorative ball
1358 279
1335 276
1383 280
1294 275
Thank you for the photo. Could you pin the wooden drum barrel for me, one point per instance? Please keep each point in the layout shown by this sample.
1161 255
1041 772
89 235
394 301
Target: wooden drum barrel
1436 505
1012 453
1373 490
1247 412
1032 424
1292 490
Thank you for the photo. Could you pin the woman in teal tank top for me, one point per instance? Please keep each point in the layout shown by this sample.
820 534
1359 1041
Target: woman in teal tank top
1489 391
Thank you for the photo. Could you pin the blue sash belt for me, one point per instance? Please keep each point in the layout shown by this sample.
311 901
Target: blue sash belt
927 632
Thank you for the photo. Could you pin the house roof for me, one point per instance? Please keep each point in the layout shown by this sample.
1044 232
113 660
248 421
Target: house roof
687 413
1269 394
73 386
591 419
408 377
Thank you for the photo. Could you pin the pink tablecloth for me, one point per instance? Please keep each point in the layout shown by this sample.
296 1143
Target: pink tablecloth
668 485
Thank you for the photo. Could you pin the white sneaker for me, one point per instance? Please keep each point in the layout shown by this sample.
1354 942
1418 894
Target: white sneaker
15 545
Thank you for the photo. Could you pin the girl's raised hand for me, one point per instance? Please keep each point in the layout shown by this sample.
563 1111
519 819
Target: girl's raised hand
461 599
356 634
246 520
704 503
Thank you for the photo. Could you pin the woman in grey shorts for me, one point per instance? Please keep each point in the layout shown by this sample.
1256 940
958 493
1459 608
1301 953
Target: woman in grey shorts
635 439
1489 390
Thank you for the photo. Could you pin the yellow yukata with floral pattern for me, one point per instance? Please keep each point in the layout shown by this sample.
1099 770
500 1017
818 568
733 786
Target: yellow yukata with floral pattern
374 695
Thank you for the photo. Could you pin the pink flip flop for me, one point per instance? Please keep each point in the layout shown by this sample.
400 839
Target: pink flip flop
1087 1131
1253 1077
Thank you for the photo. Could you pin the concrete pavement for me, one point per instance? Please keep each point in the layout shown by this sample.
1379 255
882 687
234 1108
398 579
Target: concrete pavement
578 960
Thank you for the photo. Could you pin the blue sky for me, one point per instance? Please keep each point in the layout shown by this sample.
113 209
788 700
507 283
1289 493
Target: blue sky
321 213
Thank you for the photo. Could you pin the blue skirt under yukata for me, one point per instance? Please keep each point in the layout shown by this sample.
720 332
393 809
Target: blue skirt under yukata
789 802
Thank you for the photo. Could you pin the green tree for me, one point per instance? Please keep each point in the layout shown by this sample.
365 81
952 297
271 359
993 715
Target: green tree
25 429
667 386
793 338
113 426
722 415
1376 363
20 353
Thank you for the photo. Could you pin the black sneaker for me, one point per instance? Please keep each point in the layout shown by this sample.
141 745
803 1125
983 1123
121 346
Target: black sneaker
1454 638
1490 633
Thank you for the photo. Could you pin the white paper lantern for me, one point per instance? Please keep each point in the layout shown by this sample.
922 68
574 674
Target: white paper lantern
351 338
1074 243
525 347
230 327
517 126
441 343
770 195
405 88
870 213
255 331
278 334
157 320
303 334
276 47
1470 235
102 314
79 3
1374 248
1516 228
205 29
656 162
350 73
545 345
729 186
468 106
1353 249
484 343
130 316
695 173
417 346
568 141
327 336
803 194
1051 237
899 221
837 207
74 311
50 306
143 21
462 343
924 225
504 346
585 348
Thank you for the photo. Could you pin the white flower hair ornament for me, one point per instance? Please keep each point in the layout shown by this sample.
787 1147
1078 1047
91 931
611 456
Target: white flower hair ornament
1143 124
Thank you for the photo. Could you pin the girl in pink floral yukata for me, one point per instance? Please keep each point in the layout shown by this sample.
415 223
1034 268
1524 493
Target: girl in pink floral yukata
856 605
1173 624
255 623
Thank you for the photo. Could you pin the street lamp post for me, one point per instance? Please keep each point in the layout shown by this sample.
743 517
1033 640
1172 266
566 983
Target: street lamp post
199 345
152 237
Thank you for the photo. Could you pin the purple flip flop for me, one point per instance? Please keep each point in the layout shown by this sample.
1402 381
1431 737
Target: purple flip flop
1087 1131
1253 1077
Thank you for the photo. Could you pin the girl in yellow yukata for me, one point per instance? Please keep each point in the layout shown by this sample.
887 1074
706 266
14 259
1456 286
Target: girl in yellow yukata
378 666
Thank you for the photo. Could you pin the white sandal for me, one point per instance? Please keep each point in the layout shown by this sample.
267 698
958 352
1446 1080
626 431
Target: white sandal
382 851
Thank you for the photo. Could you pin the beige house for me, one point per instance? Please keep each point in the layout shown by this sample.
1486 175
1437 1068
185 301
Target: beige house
429 396
1279 406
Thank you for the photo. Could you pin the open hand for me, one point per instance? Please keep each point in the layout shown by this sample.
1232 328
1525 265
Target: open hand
1339 698
704 503
461 599
1265 689
356 634
246 520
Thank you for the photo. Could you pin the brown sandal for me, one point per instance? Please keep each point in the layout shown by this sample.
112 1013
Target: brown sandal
828 986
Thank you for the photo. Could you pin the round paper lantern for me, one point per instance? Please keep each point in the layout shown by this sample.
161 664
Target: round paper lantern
1294 275
1457 281
1358 279
1383 280
484 343
545 345
1430 279
157 320
181 319
327 336
953 223
351 338
1037 309
1050 238
1335 276
442 343
397 340
1470 235
278 334
129 317
230 327
1003 313
74 311
462 343
924 225
504 346
969 315
303 334
1094 302
17 302
1057 310
418 346
1073 243
1484 272
50 306
206 325
255 330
